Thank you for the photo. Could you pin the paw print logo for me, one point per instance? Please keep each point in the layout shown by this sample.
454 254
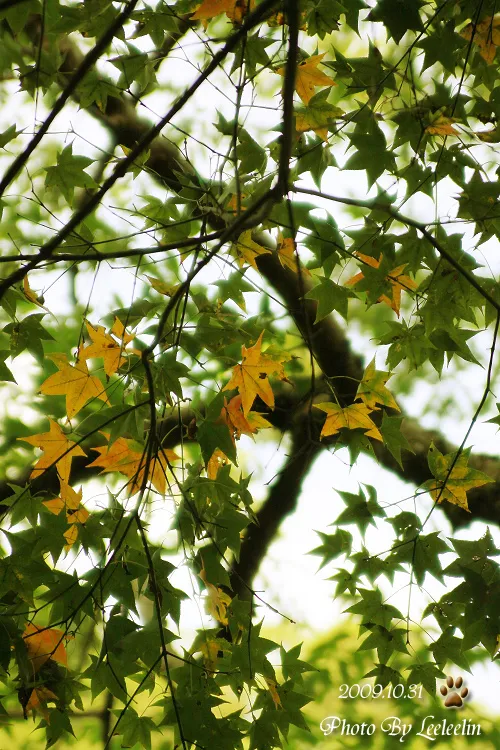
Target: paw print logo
454 699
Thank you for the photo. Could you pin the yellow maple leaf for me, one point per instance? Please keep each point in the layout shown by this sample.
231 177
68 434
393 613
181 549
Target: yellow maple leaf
372 390
271 685
74 382
57 450
251 377
355 416
442 126
159 286
279 19
486 36
32 296
44 644
118 330
318 118
71 535
70 501
211 648
123 456
308 77
106 347
245 249
217 600
452 485
398 280
287 255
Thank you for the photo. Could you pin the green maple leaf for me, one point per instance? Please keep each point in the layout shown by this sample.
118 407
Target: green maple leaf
441 46
474 559
394 440
333 545
291 665
135 729
329 296
449 648
372 567
423 555
69 174
233 288
371 152
345 582
426 674
361 510
386 642
406 524
398 16
373 610
384 675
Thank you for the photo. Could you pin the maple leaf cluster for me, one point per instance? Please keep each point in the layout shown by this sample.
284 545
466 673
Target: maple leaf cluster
74 380
371 392
251 379
129 459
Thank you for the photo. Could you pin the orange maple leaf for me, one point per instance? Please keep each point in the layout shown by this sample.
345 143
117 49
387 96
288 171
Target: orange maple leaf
122 456
251 377
442 126
58 451
105 346
246 249
74 382
217 460
287 255
352 417
44 644
396 277
38 700
235 10
486 36
308 77
237 422
232 205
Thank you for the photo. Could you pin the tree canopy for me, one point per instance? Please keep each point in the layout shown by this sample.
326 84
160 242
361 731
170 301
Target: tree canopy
225 222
